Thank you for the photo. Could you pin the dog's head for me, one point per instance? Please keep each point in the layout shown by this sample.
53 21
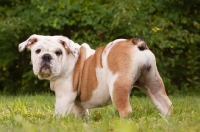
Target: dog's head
50 55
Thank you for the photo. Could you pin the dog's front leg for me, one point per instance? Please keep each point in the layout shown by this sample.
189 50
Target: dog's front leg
64 101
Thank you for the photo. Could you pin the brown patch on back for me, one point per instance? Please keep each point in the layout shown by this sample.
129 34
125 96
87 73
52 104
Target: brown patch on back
119 61
86 75
120 56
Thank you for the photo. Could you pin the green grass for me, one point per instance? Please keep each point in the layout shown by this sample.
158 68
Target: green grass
34 114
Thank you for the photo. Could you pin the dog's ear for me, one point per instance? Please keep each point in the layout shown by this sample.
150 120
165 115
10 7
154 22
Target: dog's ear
70 46
28 43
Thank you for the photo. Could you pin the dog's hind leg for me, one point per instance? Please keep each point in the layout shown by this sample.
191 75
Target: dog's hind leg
120 95
152 84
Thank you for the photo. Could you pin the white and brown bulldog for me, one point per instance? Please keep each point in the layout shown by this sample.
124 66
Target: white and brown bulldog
83 78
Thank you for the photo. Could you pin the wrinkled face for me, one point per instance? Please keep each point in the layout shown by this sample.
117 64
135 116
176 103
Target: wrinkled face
51 56
48 57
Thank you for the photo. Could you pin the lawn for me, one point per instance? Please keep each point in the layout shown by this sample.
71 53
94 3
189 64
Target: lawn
34 114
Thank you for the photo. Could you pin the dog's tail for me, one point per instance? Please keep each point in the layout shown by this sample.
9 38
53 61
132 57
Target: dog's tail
141 44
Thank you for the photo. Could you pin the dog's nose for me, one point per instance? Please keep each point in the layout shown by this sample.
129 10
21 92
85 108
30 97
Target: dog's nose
46 57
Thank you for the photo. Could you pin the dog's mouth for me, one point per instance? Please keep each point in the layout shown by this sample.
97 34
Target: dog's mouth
45 68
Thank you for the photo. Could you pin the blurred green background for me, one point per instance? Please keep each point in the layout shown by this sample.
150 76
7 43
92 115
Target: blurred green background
171 29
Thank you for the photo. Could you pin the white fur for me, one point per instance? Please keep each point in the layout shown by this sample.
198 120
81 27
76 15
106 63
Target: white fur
89 51
61 68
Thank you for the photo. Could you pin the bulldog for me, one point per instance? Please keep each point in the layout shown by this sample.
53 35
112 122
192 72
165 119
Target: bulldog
83 78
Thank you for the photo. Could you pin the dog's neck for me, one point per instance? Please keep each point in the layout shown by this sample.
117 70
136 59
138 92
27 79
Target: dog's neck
66 73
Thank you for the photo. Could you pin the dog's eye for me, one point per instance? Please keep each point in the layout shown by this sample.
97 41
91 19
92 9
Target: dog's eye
58 53
37 51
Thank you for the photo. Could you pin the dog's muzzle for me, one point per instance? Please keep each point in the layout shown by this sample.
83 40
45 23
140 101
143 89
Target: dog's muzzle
46 60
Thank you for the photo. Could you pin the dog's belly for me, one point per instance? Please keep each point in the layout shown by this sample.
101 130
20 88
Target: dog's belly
101 95
99 98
